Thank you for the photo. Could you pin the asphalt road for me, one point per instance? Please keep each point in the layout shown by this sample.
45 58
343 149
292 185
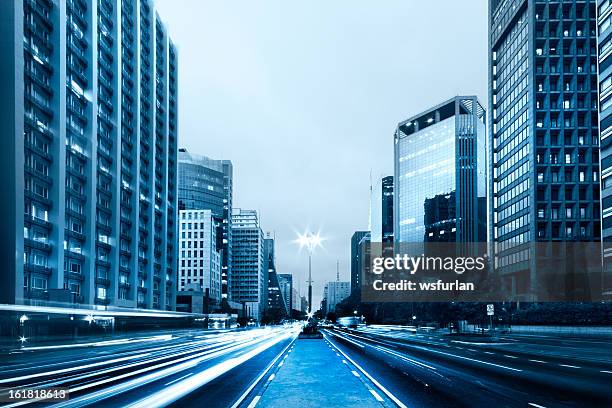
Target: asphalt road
518 371
213 369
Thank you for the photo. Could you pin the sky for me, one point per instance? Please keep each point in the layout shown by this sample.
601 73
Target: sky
304 97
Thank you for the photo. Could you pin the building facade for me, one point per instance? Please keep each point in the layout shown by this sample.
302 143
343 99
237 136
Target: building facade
247 284
285 284
275 300
604 40
90 129
381 208
440 174
207 184
544 138
199 260
334 293
356 256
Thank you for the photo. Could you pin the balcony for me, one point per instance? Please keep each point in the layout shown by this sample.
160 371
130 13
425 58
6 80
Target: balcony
77 276
102 281
35 293
40 269
102 301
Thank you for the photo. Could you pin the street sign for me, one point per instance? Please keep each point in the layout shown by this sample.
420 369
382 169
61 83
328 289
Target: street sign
490 310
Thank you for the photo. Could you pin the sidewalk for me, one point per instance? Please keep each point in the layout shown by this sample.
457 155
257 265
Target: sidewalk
313 375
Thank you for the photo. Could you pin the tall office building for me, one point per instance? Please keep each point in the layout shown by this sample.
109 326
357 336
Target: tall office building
356 255
206 184
199 260
275 301
604 40
381 210
544 138
285 284
440 174
247 284
89 135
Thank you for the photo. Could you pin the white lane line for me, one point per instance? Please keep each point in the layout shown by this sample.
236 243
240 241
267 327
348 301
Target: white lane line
178 379
472 359
568 365
375 394
403 357
605 371
376 383
355 373
538 361
271 377
488 352
258 379
344 361
281 363
509 356
255 401
532 404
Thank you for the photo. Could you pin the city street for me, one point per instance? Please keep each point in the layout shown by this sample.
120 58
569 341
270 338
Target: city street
268 367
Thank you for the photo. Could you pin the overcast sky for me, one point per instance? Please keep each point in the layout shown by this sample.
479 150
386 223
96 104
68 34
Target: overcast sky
304 97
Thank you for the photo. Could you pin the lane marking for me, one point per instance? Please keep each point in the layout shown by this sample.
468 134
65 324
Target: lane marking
509 356
375 394
254 402
281 363
355 373
258 379
178 379
568 365
271 377
606 371
536 405
376 383
538 361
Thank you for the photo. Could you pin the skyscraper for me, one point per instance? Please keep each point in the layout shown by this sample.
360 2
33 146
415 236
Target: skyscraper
274 302
381 207
248 261
206 184
89 130
355 257
440 174
285 283
199 260
604 40
544 138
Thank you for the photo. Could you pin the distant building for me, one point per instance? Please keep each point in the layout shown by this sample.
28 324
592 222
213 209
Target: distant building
356 263
248 261
440 174
207 184
285 284
89 132
200 262
381 207
334 293
275 301
303 304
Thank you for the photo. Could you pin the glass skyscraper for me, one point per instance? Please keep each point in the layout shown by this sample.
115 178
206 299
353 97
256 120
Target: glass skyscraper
206 184
544 136
381 210
89 134
604 39
440 173
359 241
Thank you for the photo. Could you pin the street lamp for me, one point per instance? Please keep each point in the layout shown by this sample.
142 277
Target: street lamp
309 241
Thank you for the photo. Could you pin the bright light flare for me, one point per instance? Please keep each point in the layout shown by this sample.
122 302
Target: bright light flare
309 241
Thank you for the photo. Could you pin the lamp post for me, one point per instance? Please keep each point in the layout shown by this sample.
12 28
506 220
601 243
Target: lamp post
310 241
